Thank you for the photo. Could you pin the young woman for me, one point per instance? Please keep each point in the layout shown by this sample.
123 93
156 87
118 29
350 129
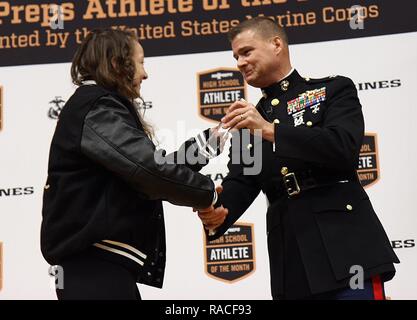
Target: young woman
102 207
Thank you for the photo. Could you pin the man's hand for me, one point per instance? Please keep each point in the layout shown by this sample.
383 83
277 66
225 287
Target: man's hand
212 217
242 114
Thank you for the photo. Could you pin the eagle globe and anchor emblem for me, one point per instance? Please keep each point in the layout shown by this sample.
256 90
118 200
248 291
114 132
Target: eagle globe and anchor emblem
56 108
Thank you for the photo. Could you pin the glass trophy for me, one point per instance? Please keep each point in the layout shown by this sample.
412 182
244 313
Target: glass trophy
213 145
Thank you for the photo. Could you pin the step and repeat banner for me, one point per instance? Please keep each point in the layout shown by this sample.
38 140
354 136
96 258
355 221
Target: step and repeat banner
192 80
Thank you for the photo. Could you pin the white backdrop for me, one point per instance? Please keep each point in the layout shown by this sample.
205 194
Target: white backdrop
172 87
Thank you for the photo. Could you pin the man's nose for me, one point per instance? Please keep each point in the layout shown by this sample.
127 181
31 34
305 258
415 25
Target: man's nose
241 62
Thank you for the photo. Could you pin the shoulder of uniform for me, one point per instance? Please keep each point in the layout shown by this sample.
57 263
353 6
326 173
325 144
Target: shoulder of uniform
321 80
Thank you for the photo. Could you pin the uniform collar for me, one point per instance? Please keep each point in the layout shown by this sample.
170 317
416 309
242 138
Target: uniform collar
287 75
285 84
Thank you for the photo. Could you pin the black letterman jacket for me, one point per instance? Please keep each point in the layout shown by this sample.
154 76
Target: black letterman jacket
104 189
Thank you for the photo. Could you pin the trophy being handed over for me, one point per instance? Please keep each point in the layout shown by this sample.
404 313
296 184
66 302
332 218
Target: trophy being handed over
211 146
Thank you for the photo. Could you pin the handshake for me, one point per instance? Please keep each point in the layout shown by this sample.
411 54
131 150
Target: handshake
212 217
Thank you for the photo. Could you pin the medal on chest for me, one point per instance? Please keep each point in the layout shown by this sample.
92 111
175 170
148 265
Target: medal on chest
307 100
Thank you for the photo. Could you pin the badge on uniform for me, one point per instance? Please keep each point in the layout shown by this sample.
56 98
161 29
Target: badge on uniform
309 99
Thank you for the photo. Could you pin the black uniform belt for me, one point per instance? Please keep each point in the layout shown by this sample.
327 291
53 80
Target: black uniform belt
297 182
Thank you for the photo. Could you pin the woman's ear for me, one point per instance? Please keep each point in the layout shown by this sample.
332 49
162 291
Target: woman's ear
114 64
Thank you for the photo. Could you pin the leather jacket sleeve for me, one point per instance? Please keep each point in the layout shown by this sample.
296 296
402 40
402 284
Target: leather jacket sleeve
188 154
111 138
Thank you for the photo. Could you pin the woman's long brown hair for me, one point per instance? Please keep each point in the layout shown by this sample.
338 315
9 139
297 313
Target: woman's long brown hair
105 56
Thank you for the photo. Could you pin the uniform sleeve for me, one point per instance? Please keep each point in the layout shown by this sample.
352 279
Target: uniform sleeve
337 141
239 192
111 138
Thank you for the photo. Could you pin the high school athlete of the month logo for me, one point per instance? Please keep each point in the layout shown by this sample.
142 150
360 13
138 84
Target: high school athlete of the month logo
232 256
1 108
217 90
368 168
1 265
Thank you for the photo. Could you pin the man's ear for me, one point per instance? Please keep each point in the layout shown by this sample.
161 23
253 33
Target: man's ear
278 44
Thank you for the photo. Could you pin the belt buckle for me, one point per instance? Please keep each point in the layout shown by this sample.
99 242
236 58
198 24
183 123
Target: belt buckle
291 184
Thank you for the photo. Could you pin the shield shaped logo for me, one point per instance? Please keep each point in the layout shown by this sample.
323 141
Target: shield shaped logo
368 167
1 108
217 90
232 256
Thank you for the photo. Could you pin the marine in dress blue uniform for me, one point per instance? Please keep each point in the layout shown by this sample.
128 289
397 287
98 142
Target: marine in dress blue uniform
320 222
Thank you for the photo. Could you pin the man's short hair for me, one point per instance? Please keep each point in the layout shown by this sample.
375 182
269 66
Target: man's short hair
265 27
